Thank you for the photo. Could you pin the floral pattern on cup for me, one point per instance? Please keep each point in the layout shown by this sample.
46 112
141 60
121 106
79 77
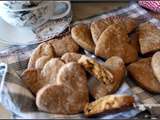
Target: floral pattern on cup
32 18
36 16
20 4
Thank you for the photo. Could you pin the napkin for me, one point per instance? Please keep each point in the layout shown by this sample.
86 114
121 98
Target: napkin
153 5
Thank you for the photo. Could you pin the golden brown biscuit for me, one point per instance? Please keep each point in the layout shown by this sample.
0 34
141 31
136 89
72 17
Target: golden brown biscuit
51 98
64 45
142 73
35 79
156 65
116 66
44 49
149 38
70 94
98 26
114 42
99 71
82 36
108 104
70 57
51 68
134 41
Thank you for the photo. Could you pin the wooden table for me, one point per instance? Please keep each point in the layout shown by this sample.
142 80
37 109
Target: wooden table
81 10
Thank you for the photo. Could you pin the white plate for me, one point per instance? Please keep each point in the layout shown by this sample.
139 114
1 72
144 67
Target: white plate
24 36
16 35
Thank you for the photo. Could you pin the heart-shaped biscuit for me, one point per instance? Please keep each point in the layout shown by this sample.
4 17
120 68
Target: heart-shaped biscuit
70 94
82 36
116 66
44 49
51 68
156 65
96 69
149 38
114 42
64 45
109 104
35 79
143 74
98 26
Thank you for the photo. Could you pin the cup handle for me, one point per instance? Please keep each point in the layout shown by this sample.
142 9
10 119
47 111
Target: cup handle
65 13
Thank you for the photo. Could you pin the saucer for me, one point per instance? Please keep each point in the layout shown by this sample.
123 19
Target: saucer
24 36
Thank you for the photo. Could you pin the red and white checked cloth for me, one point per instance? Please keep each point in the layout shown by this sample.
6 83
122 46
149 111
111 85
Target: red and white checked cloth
153 5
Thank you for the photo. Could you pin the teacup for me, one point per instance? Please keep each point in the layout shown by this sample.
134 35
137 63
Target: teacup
36 14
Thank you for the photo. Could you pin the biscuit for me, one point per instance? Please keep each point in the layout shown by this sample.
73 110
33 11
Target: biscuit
99 71
141 71
64 45
70 57
82 36
35 79
149 38
98 26
50 69
44 49
114 42
155 62
108 104
70 94
117 67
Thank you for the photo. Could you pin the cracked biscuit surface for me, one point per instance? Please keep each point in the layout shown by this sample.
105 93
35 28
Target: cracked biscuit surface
117 67
108 104
99 71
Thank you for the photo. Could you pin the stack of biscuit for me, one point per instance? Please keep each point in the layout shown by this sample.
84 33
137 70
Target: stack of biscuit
107 37
59 74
